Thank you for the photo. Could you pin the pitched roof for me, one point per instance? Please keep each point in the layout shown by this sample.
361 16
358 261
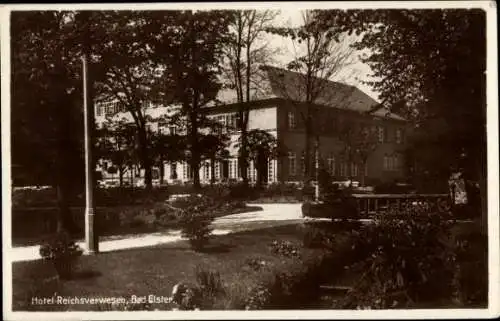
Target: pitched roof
285 84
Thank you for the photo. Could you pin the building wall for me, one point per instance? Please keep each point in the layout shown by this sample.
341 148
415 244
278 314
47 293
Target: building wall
381 164
273 116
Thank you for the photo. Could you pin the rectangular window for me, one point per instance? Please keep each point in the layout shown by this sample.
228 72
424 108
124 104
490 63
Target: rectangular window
399 136
270 170
331 164
291 120
343 169
292 164
99 110
354 169
252 172
217 170
207 171
235 168
386 162
381 134
302 162
185 171
172 130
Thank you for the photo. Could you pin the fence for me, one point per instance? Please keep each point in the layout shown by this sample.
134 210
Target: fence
369 204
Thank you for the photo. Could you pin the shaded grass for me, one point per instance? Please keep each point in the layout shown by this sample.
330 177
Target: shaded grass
154 270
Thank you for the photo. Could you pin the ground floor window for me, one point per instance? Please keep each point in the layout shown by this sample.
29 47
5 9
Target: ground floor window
331 164
354 169
292 164
343 169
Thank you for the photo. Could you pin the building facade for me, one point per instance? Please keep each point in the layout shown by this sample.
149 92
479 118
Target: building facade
281 115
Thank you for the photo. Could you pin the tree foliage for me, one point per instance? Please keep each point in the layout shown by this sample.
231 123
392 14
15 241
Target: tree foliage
244 53
116 141
429 66
47 122
318 56
193 55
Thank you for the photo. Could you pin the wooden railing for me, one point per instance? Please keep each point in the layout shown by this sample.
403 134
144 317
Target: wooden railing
369 204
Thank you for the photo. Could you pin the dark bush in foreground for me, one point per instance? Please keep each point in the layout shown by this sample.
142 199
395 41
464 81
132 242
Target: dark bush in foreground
402 262
62 251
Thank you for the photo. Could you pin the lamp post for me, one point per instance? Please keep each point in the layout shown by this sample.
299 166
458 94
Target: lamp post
91 237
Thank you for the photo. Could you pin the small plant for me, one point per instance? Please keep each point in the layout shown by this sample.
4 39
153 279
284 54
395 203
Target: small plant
285 248
210 287
258 299
315 237
62 251
196 227
256 264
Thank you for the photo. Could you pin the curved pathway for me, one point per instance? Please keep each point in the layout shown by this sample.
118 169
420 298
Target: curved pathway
270 215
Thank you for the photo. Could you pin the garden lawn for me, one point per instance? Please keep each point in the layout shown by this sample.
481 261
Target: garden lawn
155 270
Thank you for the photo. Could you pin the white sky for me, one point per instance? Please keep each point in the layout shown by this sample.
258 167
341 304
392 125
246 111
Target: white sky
352 75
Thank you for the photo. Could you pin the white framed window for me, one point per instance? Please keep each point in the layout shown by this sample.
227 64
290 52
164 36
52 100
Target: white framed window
331 164
386 162
270 170
233 168
99 110
291 120
217 170
207 171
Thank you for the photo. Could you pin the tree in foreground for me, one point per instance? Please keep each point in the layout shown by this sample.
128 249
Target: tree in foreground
116 142
318 56
244 53
261 147
430 66
47 120
193 56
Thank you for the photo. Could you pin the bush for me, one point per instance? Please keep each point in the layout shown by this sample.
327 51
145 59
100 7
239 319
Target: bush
203 295
210 287
315 237
403 262
195 219
196 227
62 251
285 248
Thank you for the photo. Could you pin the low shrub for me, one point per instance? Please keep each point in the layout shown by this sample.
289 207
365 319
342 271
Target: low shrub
285 248
200 296
62 251
256 264
195 225
315 237
210 287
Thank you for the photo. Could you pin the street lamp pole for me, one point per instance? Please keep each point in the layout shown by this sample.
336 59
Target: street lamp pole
91 237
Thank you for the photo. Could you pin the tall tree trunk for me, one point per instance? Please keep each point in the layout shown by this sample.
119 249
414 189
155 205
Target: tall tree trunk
307 155
195 155
162 170
145 160
121 172
243 161
212 170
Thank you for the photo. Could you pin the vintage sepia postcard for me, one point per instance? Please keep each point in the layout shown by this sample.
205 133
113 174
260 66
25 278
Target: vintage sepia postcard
250 160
